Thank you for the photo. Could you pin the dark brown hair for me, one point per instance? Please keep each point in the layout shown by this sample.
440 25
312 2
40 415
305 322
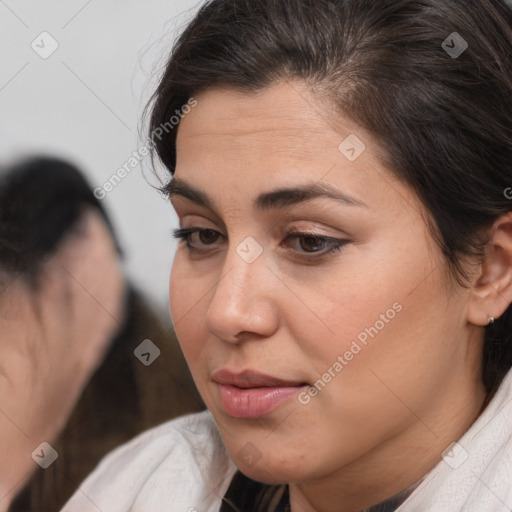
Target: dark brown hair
443 120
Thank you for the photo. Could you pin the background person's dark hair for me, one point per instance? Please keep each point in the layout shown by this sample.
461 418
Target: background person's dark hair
42 200
444 123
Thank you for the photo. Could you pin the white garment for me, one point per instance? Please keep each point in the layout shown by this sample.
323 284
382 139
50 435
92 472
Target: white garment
182 466
179 466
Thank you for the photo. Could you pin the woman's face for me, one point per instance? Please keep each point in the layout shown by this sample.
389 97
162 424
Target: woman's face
351 325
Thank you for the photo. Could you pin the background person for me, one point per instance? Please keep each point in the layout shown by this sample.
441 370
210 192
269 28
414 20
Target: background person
69 324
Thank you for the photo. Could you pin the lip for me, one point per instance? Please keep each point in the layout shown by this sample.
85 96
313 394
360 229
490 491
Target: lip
250 394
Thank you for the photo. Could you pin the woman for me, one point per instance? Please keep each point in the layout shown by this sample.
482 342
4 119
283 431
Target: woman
342 293
70 322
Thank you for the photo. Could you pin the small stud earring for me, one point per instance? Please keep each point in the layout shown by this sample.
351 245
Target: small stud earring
490 320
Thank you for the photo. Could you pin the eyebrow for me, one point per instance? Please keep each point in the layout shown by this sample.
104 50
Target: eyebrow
275 199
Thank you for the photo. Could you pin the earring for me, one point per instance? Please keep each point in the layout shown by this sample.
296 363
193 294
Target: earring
490 320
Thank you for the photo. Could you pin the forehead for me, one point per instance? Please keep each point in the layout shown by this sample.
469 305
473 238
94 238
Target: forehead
281 104
281 136
285 120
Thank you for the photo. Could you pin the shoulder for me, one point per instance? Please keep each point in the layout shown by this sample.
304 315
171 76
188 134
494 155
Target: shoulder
475 471
180 436
181 460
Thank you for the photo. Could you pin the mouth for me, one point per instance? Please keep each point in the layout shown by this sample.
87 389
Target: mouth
250 394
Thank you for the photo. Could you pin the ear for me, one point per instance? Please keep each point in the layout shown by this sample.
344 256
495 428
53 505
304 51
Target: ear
491 293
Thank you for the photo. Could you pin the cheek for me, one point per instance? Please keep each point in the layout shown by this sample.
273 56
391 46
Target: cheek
393 351
349 306
376 317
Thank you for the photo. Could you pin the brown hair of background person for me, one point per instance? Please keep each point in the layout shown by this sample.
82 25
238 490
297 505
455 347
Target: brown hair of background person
41 201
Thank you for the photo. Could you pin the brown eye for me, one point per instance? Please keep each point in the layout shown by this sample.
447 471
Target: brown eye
208 236
313 246
197 238
312 243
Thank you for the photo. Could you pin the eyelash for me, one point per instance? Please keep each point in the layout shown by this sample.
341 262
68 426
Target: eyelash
335 244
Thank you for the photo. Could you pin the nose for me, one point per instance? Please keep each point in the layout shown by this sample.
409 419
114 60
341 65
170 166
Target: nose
243 304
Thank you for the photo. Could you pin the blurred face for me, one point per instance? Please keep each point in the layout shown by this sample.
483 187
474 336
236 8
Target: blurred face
53 339
68 322
308 296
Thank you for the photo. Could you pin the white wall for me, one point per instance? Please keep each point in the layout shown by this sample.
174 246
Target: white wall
84 102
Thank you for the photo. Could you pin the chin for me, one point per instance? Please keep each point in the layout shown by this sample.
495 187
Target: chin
272 469
269 474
